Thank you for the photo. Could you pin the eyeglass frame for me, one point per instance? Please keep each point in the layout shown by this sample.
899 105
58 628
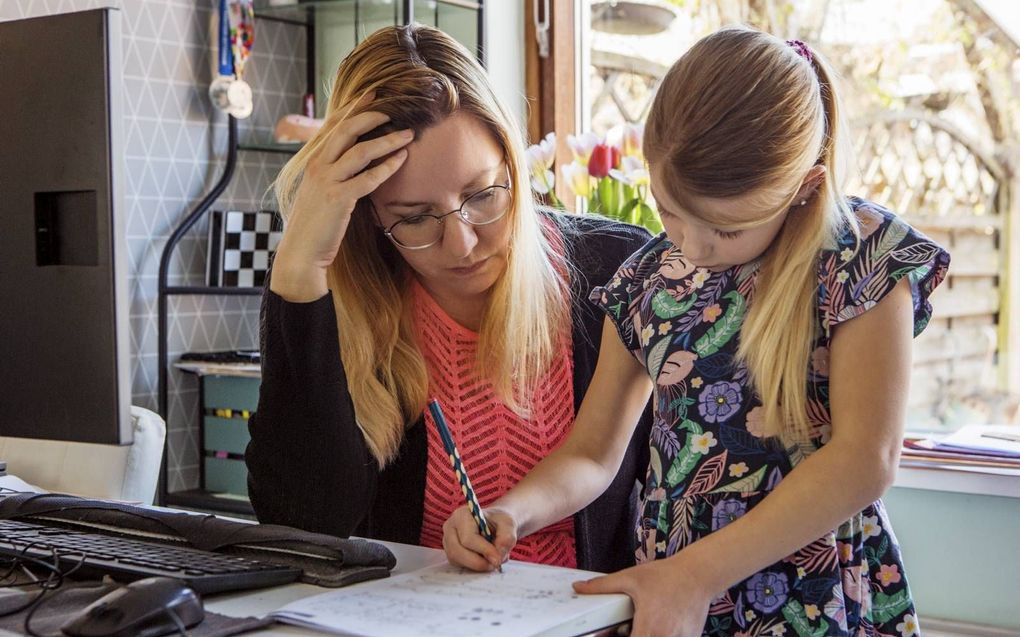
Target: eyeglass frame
440 218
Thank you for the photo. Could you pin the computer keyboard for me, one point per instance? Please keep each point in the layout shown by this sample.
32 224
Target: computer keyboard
130 559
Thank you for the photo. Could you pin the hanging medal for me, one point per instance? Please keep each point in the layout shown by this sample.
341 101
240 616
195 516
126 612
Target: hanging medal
229 92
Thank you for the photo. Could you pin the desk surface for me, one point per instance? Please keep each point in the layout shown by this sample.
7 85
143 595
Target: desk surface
263 601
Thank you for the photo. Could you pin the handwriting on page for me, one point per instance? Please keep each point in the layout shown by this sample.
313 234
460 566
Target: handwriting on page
445 600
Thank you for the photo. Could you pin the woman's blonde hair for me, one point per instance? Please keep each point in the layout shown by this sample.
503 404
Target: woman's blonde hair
419 76
744 113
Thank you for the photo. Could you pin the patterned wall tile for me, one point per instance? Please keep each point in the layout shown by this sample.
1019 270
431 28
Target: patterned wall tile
175 147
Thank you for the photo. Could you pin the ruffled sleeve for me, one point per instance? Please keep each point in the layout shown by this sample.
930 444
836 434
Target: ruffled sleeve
860 271
620 299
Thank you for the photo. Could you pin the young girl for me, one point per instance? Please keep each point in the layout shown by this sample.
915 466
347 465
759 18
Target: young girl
773 322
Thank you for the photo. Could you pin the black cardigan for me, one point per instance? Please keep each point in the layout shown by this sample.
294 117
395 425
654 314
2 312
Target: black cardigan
309 465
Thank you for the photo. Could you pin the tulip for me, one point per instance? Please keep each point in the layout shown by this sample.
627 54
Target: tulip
632 172
632 138
540 159
601 161
575 175
582 146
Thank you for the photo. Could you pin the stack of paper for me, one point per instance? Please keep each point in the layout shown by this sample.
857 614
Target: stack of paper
990 440
984 446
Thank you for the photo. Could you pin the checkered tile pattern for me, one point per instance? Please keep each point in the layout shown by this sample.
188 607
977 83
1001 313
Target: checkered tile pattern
248 241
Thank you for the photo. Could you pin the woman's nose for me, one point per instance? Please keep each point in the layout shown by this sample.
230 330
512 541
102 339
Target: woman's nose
459 236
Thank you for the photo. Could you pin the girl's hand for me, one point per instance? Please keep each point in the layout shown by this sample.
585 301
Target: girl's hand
335 177
668 602
465 546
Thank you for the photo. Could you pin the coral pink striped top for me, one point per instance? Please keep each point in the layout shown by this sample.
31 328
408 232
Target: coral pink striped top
496 445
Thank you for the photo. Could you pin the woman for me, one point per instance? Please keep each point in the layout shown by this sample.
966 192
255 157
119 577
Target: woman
382 297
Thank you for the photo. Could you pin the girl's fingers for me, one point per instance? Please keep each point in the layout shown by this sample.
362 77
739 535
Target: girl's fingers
459 554
473 541
360 155
504 542
594 586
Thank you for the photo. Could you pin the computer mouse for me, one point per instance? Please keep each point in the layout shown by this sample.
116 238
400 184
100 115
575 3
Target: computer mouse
143 608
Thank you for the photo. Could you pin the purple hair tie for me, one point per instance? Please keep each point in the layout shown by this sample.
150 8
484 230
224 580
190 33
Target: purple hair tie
801 49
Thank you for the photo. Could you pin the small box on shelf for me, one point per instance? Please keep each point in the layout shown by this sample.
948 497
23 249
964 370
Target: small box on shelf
227 403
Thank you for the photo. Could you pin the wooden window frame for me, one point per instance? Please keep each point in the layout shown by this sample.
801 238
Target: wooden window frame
551 82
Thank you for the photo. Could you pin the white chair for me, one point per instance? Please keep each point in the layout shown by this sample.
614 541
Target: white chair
116 472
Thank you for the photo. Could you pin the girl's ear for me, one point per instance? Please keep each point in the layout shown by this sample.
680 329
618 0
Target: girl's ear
812 180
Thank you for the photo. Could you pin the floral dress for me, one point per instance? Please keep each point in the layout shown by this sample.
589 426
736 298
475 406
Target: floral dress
709 462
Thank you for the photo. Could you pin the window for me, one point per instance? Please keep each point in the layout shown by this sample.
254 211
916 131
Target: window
931 87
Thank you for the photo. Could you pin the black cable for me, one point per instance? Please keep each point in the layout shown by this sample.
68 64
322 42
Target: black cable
54 580
36 606
44 585
38 603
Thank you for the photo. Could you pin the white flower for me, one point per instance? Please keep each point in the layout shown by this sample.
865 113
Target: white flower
633 135
700 277
908 626
846 254
703 442
582 146
632 171
576 177
540 158
842 276
870 526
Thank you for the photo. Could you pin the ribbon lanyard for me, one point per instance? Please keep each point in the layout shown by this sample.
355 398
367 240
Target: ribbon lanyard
242 33
228 91
226 57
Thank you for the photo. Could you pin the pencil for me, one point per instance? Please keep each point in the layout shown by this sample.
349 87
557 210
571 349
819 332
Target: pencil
460 471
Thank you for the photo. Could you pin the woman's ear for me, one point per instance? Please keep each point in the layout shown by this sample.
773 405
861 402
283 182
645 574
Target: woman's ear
812 180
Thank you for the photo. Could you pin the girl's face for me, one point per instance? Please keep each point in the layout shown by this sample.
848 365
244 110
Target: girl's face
446 164
712 246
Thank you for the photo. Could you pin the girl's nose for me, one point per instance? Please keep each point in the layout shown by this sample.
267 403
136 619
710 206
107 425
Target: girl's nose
695 250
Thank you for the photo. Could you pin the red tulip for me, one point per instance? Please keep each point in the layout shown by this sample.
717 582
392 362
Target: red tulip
600 162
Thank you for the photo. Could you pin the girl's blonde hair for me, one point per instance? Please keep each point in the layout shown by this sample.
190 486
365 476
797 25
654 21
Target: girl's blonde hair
744 113
419 76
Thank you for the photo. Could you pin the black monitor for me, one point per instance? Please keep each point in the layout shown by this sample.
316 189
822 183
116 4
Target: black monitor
64 346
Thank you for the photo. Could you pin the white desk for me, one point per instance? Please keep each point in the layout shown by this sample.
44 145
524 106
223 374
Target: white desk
258 603
263 601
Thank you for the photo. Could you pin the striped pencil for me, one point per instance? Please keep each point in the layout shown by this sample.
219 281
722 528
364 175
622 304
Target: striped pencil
458 468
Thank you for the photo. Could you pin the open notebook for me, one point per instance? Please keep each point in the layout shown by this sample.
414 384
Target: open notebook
524 600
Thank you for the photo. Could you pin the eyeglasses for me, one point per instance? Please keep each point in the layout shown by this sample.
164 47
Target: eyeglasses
418 232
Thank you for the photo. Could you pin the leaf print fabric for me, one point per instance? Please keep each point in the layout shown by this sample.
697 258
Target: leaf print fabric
709 463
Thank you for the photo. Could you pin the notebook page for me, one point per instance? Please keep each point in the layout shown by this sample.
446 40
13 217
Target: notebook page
525 599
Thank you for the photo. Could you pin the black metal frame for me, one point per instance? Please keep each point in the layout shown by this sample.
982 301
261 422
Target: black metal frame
197 498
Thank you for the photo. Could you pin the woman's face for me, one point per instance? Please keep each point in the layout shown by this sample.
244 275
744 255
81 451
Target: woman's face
446 164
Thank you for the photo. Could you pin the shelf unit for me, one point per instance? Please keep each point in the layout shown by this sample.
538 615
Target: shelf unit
303 14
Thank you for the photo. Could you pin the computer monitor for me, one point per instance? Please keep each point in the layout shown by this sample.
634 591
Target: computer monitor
64 359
